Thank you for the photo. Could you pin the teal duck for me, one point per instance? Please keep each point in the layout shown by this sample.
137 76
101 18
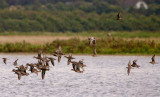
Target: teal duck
135 64
69 58
153 60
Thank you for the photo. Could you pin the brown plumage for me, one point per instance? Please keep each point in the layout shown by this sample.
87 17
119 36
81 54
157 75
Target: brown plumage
135 64
94 42
91 39
80 65
69 58
44 68
77 66
59 58
21 71
39 53
58 53
32 69
153 60
19 75
15 62
118 16
52 60
94 52
129 68
74 63
47 63
4 60
44 59
35 71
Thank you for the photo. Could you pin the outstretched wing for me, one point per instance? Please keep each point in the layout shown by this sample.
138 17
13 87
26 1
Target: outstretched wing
129 67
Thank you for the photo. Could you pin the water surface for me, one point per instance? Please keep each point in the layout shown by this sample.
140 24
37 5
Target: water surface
104 76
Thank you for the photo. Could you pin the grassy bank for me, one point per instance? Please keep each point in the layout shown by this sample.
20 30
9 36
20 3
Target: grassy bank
121 34
77 46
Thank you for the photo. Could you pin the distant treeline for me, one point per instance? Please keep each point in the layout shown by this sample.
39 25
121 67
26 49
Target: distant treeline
75 21
30 2
75 16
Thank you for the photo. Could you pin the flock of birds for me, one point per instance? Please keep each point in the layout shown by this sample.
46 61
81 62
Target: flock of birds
43 62
137 66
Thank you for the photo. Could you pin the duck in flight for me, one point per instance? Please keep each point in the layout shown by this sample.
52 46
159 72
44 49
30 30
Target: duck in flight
129 68
4 60
69 58
153 60
15 62
135 64
118 16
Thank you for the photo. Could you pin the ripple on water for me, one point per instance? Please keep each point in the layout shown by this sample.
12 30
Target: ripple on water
104 76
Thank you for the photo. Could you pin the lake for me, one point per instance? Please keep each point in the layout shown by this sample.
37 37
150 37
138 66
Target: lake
104 76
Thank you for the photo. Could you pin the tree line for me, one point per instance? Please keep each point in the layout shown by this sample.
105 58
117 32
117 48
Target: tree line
75 16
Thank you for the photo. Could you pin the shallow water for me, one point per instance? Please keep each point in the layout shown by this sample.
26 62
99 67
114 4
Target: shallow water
104 76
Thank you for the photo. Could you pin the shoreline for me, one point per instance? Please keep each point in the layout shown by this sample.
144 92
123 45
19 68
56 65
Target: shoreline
25 53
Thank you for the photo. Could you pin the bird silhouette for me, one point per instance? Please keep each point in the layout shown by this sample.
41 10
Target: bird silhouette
129 68
15 62
69 58
52 60
153 60
135 64
118 16
4 60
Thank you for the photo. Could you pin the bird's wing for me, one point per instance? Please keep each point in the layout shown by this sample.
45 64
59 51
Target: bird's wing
118 16
135 60
153 58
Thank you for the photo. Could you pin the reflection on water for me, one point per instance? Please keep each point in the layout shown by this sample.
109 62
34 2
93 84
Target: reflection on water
104 76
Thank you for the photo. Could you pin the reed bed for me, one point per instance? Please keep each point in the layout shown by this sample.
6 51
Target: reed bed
78 46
